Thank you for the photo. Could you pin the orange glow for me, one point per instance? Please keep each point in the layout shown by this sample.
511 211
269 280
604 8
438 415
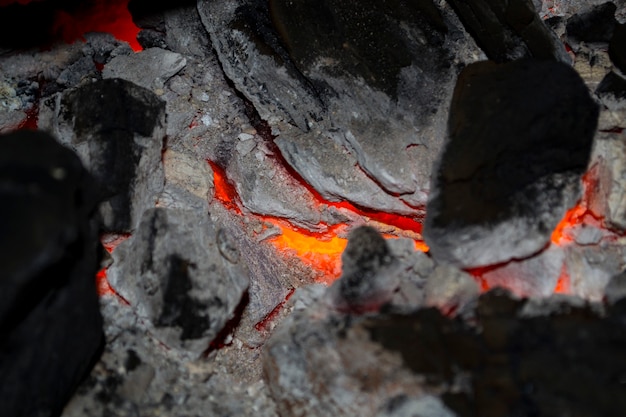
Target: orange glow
100 16
421 246
572 217
104 288
269 318
102 284
478 272
580 213
322 252
110 241
564 232
224 191
319 250
563 285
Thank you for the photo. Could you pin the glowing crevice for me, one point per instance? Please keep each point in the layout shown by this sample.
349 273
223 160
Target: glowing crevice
320 250
109 242
264 324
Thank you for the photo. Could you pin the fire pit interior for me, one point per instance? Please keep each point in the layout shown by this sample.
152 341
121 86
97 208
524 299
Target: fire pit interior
313 208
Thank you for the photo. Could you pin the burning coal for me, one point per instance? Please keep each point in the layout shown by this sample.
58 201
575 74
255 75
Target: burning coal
311 208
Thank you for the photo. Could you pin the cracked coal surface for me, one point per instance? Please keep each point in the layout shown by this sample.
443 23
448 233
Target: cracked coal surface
246 143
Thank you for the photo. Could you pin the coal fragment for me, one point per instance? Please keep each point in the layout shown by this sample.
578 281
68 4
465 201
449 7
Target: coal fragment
354 95
360 40
509 30
613 86
519 138
176 278
596 25
50 322
118 128
362 285
556 356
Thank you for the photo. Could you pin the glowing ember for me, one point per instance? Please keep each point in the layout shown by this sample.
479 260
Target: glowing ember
322 252
32 118
580 213
267 320
319 250
564 232
421 246
111 240
224 191
563 284
100 16
102 283
478 273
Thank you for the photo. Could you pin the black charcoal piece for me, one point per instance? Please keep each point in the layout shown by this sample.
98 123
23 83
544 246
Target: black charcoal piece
118 128
597 25
50 322
363 282
509 30
519 139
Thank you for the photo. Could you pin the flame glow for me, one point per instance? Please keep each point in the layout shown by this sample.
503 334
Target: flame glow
100 16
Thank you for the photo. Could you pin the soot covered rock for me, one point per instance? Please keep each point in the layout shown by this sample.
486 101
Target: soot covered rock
519 138
50 323
182 276
117 128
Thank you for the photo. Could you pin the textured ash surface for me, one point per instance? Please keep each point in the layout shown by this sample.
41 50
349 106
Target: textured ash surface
272 118
303 80
178 278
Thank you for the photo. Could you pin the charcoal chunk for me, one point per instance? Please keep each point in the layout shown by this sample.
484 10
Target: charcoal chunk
355 95
118 128
597 25
50 322
177 279
364 262
612 85
509 30
519 138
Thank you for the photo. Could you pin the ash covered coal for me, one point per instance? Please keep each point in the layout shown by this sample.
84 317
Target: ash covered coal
182 276
333 93
519 139
264 133
518 357
117 128
511 30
